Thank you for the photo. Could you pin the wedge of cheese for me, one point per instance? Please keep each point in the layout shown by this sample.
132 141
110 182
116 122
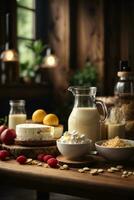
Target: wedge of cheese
58 131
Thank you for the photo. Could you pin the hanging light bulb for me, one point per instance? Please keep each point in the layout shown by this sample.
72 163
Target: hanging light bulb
9 55
50 60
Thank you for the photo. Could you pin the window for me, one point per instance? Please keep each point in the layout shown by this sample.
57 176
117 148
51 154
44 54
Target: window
26 14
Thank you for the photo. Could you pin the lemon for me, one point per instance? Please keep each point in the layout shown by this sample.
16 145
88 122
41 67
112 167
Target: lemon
38 115
51 120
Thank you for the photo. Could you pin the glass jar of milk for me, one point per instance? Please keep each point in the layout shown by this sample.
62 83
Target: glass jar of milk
17 114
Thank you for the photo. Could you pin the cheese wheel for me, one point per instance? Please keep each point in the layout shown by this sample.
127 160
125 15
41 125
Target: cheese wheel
34 132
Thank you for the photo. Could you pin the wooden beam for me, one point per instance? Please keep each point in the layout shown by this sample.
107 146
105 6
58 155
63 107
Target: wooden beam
59 40
90 35
112 14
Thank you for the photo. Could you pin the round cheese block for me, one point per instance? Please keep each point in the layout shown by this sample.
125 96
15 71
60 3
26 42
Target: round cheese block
33 134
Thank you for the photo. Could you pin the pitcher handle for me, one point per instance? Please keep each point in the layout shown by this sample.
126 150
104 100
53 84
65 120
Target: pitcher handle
104 108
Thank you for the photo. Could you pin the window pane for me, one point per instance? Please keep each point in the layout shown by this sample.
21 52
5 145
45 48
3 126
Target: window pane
27 3
25 54
25 23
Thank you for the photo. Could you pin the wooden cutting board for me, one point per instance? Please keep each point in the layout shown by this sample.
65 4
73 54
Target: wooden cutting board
30 152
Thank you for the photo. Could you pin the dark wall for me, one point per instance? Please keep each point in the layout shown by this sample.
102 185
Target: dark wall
119 43
99 29
42 19
8 6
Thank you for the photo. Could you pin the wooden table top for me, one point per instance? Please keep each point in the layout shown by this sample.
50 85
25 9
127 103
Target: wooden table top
70 181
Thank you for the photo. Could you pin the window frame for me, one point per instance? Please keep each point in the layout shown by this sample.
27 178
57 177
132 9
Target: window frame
18 6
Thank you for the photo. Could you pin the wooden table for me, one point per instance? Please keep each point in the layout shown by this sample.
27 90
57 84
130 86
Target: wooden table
106 185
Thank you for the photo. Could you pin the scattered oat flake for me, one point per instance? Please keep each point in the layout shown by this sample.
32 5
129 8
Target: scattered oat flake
61 168
110 170
114 169
119 167
100 170
81 170
130 173
39 164
65 166
29 161
94 171
86 168
46 165
125 172
34 162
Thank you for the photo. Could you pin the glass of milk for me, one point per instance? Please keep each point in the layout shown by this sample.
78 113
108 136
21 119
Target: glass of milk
116 123
17 114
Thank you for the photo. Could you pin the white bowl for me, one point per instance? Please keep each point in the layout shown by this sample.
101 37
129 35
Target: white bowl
73 151
115 154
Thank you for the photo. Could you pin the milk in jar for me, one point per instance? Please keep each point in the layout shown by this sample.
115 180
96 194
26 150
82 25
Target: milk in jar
15 119
85 117
17 114
86 121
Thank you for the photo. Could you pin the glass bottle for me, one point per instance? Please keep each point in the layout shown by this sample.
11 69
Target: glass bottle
17 114
124 88
85 117
116 123
124 93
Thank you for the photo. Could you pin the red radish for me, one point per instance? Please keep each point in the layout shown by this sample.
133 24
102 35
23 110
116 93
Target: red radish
4 154
2 128
46 157
8 136
21 159
40 157
13 133
52 162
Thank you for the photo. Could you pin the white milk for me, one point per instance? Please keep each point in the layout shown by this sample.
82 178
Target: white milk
85 121
15 119
116 130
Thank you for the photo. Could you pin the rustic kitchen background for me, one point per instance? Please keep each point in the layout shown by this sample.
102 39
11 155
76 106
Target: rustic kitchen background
98 31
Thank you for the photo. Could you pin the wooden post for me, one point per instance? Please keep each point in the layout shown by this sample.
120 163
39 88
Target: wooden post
90 35
112 26
59 41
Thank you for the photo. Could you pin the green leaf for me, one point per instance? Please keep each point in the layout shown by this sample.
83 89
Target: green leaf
30 68
85 76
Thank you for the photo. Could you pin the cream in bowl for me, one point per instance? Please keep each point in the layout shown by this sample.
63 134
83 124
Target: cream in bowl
116 149
73 145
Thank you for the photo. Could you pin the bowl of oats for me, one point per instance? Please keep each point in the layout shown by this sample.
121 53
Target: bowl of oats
116 149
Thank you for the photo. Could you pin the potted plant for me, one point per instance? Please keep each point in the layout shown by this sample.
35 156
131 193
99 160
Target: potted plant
85 76
28 69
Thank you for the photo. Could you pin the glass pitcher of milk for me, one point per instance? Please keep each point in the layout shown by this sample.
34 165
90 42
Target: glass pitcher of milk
85 117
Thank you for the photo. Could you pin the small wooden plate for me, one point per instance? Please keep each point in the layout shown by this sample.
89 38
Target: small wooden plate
82 162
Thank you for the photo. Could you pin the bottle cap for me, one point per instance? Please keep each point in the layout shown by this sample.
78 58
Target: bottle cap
123 66
20 102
